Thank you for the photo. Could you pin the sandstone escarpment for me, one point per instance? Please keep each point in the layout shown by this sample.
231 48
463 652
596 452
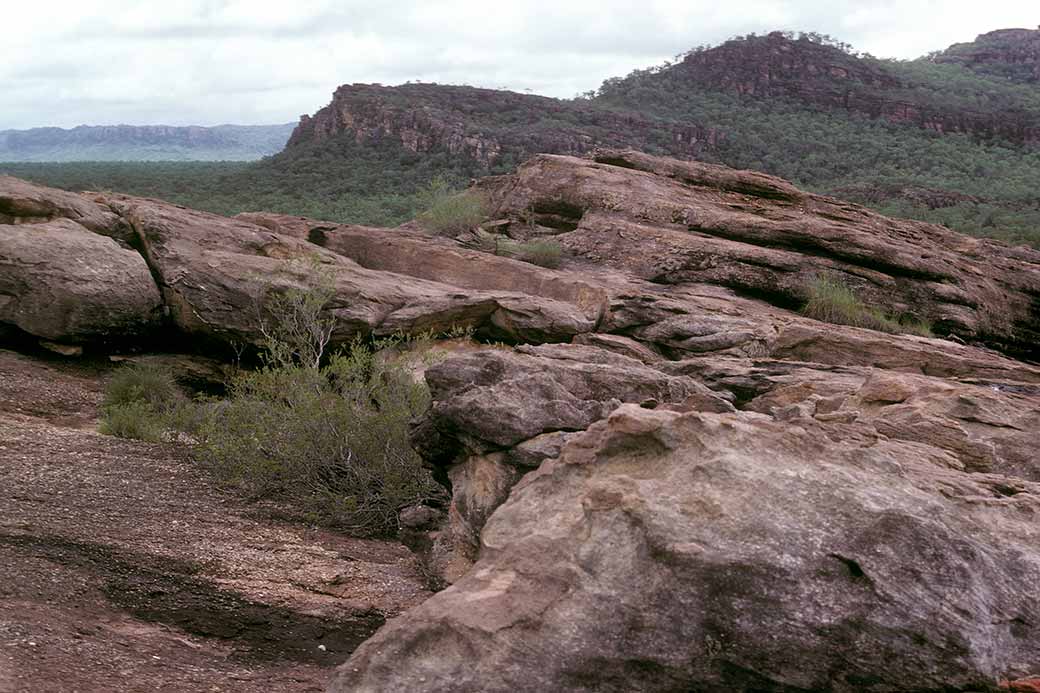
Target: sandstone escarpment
486 126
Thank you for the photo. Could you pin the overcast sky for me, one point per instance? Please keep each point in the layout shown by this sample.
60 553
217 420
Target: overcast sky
206 62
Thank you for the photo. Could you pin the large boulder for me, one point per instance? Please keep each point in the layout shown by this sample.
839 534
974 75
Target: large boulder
63 283
675 551
498 414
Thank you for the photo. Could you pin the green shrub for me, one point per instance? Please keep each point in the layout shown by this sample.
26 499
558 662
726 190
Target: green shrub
448 212
333 440
831 301
921 328
137 420
139 401
141 383
293 323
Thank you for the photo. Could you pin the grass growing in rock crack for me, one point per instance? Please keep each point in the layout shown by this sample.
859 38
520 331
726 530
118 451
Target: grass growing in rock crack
831 301
544 253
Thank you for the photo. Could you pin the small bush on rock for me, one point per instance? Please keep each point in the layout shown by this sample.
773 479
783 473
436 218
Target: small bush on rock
449 212
141 383
542 253
329 435
135 420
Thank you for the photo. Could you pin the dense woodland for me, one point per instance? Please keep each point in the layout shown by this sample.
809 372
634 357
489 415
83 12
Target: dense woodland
978 185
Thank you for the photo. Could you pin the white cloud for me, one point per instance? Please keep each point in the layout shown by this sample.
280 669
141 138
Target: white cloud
255 61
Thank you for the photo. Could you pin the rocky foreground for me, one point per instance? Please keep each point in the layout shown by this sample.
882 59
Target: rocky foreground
667 479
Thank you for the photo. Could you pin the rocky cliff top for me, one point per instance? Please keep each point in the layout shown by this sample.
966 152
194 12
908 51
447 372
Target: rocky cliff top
489 127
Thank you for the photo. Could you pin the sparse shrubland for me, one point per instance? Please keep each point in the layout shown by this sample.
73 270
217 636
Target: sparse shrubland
831 301
325 436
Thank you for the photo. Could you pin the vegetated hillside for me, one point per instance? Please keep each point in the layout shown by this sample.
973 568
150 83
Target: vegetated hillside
1009 53
144 143
923 139
952 138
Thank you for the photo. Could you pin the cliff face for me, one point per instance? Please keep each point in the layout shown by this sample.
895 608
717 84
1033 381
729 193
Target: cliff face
489 126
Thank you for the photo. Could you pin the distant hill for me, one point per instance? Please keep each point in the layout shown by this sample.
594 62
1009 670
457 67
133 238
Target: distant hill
144 143
952 138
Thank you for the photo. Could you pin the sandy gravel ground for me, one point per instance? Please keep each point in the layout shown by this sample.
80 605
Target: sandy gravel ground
123 569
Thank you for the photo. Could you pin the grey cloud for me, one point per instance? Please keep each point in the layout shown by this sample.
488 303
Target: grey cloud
211 61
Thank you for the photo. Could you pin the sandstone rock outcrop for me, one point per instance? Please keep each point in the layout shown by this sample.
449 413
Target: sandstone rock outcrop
214 272
22 202
674 222
721 552
665 479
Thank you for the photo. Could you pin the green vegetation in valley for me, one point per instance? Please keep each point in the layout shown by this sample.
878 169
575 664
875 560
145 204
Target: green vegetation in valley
379 184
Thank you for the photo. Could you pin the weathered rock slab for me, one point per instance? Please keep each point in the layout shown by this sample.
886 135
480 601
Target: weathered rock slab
64 283
720 552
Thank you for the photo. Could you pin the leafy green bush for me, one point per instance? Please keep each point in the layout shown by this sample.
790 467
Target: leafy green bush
137 420
139 401
332 440
146 383
831 301
326 435
449 212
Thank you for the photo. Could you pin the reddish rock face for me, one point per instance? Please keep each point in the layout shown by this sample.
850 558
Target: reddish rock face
670 222
485 125
1030 685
